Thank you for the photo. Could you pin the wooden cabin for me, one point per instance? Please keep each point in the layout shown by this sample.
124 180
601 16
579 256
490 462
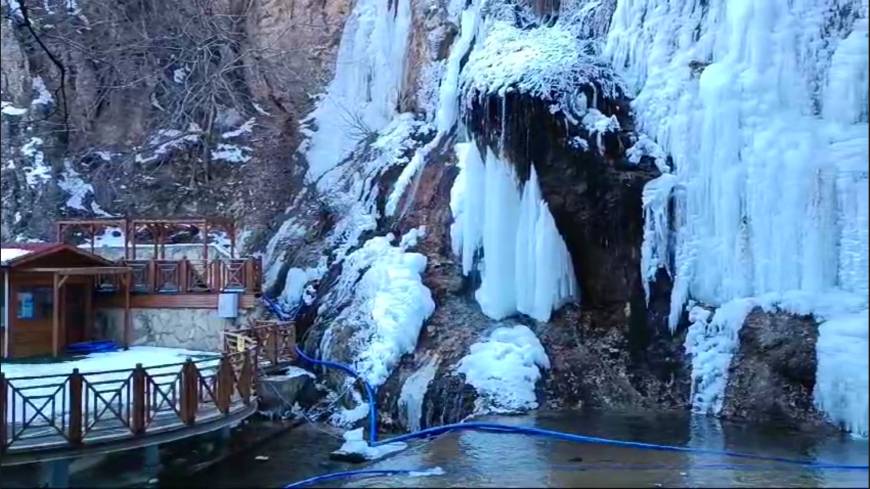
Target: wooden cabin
48 296
125 288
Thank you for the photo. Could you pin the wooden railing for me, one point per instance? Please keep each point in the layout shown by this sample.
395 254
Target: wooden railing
75 409
275 341
193 276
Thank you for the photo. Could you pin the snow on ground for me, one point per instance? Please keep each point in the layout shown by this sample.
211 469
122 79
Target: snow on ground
8 108
43 96
72 183
526 266
355 445
504 369
96 362
167 140
231 153
245 128
38 171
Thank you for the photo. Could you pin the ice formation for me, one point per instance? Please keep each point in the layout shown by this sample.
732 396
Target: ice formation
504 369
389 304
841 374
763 107
363 96
413 392
526 266
711 343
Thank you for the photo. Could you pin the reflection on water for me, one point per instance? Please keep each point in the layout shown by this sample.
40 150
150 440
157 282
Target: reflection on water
510 460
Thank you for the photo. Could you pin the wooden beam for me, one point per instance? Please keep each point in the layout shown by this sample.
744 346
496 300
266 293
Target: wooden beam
128 283
7 307
93 236
79 270
55 318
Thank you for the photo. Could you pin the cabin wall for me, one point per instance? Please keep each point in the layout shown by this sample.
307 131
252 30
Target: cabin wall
31 337
195 329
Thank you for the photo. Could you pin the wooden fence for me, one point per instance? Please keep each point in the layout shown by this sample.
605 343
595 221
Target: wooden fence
274 341
75 409
190 276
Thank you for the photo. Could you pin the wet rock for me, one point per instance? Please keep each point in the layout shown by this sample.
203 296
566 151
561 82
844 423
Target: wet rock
773 374
278 393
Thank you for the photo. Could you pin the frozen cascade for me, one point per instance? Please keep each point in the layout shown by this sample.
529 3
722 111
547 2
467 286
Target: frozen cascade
447 111
762 104
762 140
526 266
413 392
711 343
364 94
841 374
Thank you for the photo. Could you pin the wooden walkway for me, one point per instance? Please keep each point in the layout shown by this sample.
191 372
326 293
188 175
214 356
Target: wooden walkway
64 416
69 415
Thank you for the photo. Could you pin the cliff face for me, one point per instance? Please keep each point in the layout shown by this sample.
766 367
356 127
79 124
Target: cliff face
158 108
473 182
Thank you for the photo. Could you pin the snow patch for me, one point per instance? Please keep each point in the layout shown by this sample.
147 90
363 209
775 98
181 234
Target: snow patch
43 96
7 108
78 190
355 445
504 369
231 153
245 128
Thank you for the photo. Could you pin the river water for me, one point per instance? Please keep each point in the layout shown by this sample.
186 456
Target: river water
509 460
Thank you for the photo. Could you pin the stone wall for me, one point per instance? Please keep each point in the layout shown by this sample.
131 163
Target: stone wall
195 329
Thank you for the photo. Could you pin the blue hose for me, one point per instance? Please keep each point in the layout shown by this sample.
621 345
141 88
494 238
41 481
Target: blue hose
500 428
370 393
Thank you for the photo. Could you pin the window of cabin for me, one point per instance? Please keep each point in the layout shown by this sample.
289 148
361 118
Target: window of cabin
35 303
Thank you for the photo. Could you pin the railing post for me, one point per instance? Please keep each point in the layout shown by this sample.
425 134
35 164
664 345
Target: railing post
245 378
151 279
3 407
224 384
272 345
138 410
183 276
189 392
248 278
75 407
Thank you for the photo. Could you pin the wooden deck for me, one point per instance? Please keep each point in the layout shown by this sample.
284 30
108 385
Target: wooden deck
70 415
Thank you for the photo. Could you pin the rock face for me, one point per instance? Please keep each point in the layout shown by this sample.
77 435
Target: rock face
156 128
618 350
772 375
